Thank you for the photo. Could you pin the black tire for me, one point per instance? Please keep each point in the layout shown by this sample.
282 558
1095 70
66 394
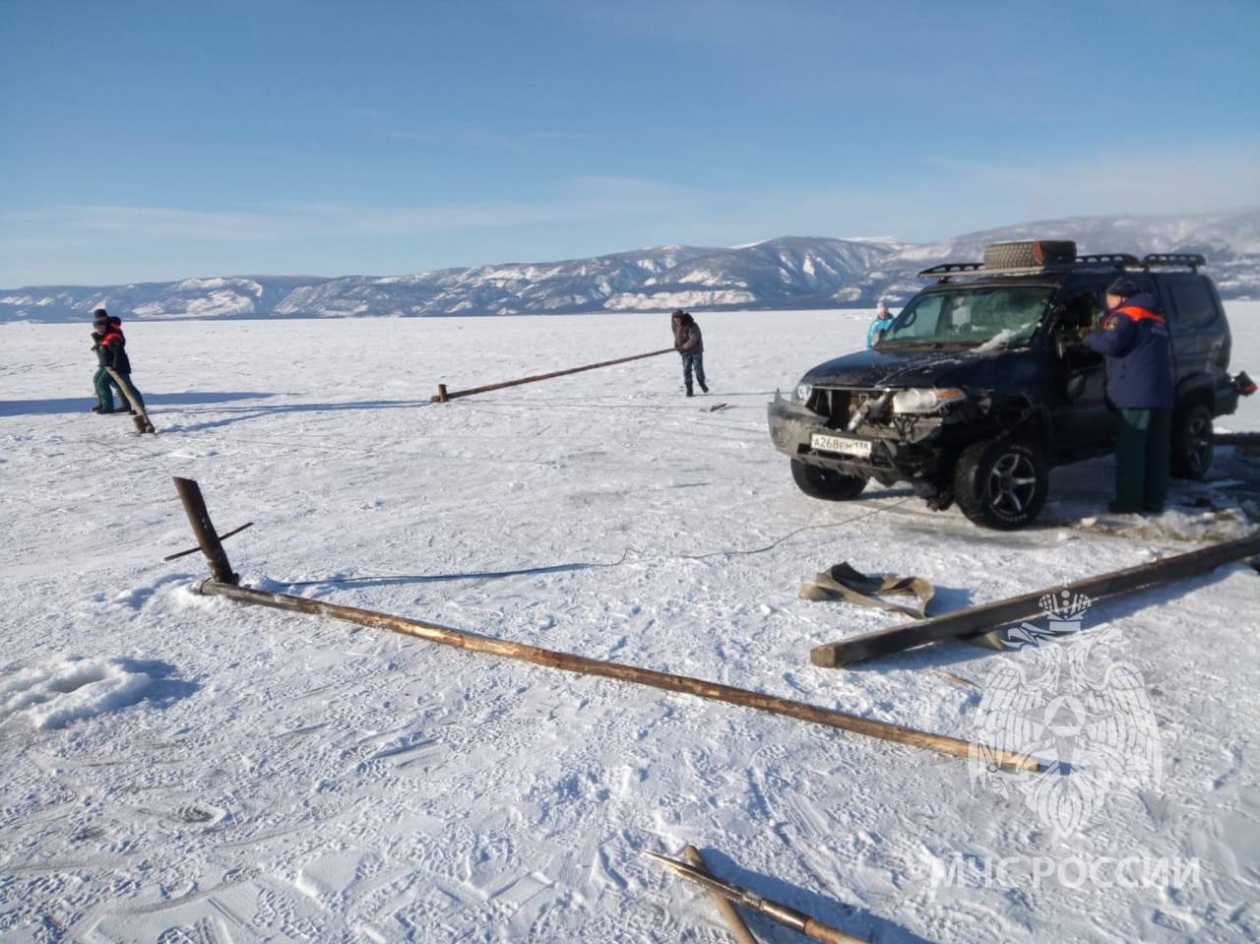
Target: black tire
1026 253
826 484
1192 449
1001 483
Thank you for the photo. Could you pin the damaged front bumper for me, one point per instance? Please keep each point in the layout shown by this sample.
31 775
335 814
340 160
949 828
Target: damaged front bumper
911 454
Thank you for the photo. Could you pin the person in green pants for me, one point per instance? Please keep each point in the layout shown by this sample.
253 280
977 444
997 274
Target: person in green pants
102 382
1141 383
119 366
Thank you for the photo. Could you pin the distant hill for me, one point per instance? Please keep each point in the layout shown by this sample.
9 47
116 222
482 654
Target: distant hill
790 272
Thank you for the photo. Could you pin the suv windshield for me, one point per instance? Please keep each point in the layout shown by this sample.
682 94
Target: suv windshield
971 316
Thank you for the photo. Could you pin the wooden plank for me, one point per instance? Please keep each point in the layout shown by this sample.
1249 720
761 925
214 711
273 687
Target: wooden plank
443 396
989 616
626 673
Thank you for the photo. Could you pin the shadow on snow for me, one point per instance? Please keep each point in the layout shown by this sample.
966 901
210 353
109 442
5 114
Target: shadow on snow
84 404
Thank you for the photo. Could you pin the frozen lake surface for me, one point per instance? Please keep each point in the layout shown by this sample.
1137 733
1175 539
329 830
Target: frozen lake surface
184 768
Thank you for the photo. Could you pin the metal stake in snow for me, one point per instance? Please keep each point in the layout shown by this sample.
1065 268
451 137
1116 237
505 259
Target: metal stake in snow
615 670
442 395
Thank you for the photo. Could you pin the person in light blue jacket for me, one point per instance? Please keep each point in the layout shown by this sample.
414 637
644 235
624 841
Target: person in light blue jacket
883 321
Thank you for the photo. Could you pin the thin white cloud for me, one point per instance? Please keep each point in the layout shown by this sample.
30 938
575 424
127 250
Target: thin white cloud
945 198
583 199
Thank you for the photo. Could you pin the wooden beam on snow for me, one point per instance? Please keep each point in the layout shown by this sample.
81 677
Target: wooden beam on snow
626 673
975 620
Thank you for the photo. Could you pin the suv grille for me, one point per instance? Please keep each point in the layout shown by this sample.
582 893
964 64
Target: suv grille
838 405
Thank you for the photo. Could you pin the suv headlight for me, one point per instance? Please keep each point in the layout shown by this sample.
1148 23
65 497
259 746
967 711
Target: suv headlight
925 399
802 393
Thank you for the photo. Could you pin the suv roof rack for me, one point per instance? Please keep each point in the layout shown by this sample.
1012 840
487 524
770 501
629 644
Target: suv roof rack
1113 260
952 268
1118 259
1191 259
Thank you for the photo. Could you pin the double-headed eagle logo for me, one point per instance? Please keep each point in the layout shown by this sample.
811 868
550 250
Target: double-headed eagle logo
1073 706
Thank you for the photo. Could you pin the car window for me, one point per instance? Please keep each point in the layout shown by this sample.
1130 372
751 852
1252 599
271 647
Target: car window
972 316
919 319
1193 304
1083 305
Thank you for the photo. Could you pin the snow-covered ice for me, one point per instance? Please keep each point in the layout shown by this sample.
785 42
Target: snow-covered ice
180 767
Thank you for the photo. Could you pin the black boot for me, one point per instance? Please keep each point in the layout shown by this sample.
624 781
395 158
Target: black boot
703 387
690 393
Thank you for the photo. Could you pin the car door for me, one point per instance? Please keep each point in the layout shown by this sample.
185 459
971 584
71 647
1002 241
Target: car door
1082 419
1200 340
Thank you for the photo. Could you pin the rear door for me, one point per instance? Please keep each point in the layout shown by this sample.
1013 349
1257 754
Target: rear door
1200 336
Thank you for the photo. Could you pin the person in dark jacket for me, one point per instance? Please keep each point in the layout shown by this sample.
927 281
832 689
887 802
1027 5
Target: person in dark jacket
1141 378
690 344
114 347
102 382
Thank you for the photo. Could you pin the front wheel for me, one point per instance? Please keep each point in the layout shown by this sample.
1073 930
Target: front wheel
1001 483
826 483
1192 449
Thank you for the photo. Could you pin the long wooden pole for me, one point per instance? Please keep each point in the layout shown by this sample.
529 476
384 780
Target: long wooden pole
626 673
443 395
989 616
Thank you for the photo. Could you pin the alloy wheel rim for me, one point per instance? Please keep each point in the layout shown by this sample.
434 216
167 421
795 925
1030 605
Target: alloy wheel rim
1200 444
1012 483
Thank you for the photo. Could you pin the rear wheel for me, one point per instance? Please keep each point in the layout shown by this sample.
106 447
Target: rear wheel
1192 449
1001 483
826 483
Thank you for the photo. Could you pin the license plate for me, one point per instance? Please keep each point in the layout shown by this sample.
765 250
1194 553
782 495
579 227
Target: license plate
842 444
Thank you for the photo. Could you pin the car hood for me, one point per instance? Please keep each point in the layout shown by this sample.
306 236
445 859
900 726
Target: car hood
923 367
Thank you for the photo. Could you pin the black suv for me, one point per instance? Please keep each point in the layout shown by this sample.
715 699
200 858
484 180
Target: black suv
982 383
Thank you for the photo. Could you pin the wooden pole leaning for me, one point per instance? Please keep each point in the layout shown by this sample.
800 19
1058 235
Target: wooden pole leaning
207 538
975 620
443 396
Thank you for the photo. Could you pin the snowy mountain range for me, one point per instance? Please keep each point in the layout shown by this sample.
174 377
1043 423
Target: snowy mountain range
789 272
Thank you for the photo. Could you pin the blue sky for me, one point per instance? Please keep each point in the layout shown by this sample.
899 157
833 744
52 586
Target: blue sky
150 140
